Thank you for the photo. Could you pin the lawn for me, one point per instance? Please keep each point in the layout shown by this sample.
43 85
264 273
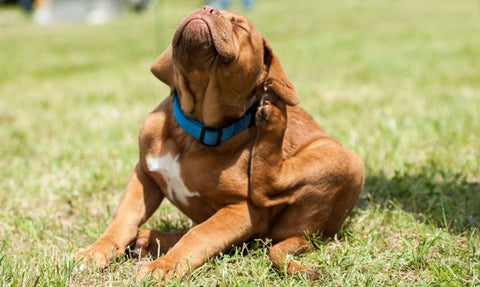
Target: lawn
396 81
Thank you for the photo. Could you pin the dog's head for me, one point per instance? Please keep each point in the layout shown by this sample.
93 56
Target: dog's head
218 63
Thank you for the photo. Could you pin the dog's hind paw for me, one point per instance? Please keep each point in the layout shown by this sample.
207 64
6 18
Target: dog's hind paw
271 115
153 243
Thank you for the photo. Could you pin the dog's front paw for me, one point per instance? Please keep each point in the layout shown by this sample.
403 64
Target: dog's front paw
272 114
97 255
159 269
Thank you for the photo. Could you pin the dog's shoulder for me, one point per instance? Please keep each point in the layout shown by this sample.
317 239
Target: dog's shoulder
156 125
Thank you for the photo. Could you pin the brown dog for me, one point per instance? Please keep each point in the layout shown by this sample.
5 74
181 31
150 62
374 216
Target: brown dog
275 174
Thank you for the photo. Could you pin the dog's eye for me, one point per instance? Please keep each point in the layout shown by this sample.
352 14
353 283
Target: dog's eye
236 24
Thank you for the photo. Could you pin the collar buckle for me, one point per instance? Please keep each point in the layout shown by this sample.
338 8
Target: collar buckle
208 132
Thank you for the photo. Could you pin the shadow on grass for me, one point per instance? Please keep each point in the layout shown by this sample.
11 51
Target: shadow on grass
435 196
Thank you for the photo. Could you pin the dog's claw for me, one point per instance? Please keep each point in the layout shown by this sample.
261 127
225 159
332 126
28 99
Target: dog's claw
86 259
98 254
267 99
156 270
143 273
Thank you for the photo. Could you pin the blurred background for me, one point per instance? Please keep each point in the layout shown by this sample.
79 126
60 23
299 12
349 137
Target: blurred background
47 12
398 82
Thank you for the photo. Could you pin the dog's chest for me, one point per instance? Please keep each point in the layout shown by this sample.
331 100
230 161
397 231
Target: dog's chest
169 167
200 184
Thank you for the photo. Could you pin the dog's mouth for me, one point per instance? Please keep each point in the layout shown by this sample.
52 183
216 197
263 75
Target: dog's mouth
194 37
204 34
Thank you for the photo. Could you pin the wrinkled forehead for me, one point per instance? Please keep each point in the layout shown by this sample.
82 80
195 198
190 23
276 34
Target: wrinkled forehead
236 17
253 34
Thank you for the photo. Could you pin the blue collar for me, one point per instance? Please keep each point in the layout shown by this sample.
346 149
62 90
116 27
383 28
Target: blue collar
211 136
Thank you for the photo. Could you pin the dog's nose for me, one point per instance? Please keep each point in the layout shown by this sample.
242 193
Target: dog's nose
209 10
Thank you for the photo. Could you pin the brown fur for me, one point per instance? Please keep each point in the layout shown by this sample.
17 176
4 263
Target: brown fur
281 179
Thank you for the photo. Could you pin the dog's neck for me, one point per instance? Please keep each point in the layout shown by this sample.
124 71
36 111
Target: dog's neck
213 136
210 108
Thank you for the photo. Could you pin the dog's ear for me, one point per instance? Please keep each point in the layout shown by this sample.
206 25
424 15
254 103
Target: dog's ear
277 80
162 68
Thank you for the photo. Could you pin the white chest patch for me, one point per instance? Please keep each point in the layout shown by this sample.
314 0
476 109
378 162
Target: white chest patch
169 168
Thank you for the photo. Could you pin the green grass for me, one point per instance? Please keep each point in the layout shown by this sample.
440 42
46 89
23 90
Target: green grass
396 81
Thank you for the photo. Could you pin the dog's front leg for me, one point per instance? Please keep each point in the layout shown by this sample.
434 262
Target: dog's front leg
228 226
142 197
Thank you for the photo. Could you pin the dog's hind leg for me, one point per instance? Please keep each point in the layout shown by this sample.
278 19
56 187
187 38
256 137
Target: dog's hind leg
153 243
321 169
292 246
